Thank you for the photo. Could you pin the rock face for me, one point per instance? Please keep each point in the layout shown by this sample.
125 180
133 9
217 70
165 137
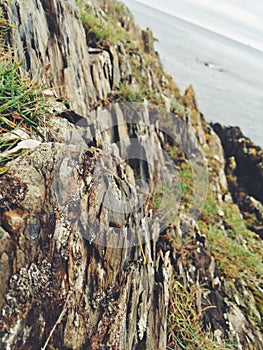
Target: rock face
248 158
245 169
51 269
93 222
58 52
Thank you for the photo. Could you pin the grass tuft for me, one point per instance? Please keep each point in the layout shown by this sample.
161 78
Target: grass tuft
21 100
23 107
234 244
185 330
100 29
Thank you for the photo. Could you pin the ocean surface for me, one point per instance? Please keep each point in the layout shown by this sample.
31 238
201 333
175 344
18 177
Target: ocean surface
227 75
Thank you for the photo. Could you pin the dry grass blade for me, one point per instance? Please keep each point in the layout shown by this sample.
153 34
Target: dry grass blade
23 105
184 327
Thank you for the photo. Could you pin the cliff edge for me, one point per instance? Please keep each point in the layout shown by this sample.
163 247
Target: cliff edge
118 226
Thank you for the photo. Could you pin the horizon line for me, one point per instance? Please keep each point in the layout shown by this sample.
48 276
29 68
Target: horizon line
260 50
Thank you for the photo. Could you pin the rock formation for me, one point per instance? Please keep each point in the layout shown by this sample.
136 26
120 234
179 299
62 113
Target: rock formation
245 174
94 227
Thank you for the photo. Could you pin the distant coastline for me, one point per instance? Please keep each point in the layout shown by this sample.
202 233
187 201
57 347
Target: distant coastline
201 26
231 94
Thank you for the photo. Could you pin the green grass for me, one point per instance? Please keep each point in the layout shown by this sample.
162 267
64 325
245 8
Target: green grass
233 257
94 25
4 28
185 331
116 7
129 94
187 183
98 29
22 103
210 209
228 251
173 152
107 28
177 107
21 100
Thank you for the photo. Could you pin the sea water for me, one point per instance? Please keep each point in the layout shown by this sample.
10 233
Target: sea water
227 75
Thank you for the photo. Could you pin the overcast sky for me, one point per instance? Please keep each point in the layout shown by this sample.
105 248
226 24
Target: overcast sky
241 20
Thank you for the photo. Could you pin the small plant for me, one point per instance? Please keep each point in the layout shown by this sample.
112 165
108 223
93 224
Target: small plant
210 208
228 251
99 29
173 152
129 93
233 258
22 105
94 26
4 28
184 322
177 107
153 61
187 182
21 100
116 7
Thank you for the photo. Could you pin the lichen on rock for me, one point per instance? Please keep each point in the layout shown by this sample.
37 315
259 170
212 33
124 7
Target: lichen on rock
119 230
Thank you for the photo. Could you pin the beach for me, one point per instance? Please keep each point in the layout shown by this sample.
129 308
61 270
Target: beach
227 75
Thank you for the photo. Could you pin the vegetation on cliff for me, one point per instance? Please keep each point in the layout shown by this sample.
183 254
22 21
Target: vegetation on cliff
237 251
23 106
215 293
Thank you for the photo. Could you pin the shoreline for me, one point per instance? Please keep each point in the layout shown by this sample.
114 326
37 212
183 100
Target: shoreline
189 21
230 95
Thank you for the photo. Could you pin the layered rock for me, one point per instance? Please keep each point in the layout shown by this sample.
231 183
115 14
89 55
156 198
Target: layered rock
245 174
95 295
93 221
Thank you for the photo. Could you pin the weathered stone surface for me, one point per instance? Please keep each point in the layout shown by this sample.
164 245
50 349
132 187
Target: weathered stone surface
55 50
248 157
72 211
148 41
245 174
102 289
